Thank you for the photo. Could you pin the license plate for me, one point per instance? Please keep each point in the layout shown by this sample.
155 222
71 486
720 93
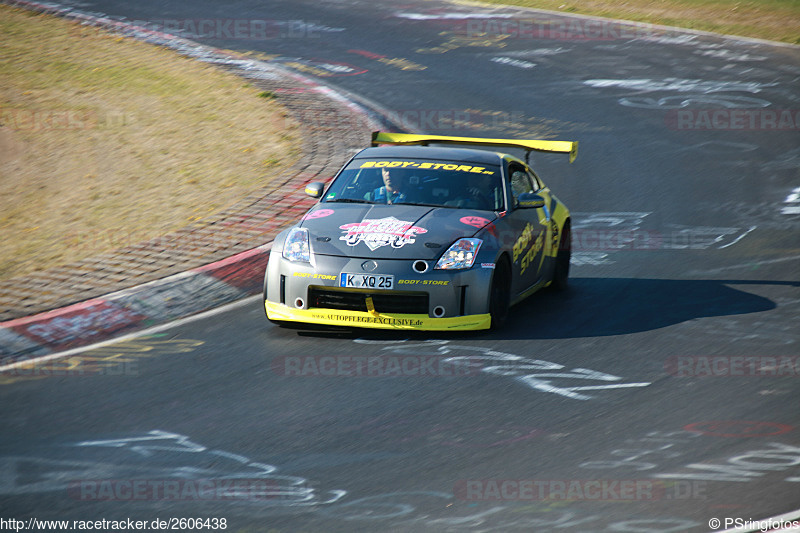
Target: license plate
366 281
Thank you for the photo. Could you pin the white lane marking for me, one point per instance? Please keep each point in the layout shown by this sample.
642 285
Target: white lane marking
519 63
703 99
742 236
539 52
534 373
680 85
590 258
728 55
150 331
453 16
743 265
793 198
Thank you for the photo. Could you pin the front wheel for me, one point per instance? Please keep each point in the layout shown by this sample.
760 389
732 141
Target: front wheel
500 294
561 271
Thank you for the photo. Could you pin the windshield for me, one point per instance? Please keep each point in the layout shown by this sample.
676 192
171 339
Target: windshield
420 182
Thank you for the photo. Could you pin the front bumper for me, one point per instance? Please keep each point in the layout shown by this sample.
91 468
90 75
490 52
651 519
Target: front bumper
360 319
433 300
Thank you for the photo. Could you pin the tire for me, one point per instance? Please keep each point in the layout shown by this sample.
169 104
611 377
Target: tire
500 294
561 269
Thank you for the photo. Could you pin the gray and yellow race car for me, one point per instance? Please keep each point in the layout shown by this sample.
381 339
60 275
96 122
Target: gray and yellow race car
422 232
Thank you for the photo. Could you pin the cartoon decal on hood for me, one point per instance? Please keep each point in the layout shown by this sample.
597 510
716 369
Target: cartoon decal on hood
378 232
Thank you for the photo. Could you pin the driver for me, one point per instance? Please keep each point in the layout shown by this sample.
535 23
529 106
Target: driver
392 191
478 192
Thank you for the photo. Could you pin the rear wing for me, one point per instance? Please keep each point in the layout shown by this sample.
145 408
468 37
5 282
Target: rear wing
567 147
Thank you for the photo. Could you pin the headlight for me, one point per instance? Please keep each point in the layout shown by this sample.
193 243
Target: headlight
296 246
461 254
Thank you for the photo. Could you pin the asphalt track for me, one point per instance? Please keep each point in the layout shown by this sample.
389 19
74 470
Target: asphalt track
671 364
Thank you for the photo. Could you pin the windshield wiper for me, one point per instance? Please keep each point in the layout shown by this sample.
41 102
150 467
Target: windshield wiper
420 204
348 200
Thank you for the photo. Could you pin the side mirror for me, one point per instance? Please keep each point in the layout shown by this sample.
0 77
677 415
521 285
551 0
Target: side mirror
315 189
530 200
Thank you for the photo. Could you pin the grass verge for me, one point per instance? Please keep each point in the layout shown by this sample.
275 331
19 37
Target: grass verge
776 20
106 141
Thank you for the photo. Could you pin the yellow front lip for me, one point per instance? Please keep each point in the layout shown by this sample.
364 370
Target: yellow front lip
334 317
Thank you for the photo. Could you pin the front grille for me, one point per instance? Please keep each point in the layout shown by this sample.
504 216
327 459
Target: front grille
412 303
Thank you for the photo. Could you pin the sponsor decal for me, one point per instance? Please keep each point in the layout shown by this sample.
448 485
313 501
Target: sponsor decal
521 245
554 236
488 265
356 319
523 241
319 213
427 165
530 255
475 222
423 282
314 276
379 232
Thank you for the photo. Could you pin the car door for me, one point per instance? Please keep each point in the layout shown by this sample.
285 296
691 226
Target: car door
547 221
529 225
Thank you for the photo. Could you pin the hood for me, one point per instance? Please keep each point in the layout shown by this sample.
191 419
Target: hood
389 231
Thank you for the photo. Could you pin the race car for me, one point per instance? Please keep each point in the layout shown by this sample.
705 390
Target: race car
422 232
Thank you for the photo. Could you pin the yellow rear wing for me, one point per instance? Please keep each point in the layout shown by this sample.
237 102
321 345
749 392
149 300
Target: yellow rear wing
567 147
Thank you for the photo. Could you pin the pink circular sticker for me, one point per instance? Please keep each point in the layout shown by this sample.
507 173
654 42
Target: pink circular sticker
738 428
319 213
476 222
